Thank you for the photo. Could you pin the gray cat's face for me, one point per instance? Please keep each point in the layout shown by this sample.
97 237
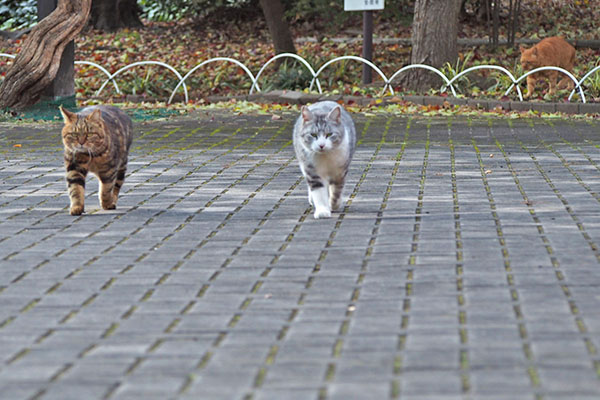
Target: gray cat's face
322 133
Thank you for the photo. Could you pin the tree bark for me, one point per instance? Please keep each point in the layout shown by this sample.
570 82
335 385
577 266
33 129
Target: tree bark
129 14
37 63
434 40
112 15
278 27
63 84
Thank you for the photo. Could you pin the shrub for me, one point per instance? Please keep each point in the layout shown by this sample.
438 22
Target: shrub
17 14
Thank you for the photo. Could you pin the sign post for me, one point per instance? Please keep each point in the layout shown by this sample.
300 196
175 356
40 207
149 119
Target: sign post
367 7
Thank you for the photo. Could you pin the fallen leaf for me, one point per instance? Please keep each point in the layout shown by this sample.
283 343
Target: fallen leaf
17 145
488 171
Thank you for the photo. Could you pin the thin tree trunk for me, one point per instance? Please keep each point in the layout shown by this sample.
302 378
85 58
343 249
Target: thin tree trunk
434 40
495 24
278 27
513 21
36 65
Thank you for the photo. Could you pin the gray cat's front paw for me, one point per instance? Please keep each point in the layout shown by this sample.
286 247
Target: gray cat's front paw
335 206
322 213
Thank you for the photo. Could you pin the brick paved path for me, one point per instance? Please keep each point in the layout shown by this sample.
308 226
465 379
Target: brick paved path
464 265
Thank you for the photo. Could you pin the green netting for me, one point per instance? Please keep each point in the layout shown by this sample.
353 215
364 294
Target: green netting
138 114
47 110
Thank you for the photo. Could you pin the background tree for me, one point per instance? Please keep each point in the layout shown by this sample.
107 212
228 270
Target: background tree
278 26
494 13
112 15
434 40
37 63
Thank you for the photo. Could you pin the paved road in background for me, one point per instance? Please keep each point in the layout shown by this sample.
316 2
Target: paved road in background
465 264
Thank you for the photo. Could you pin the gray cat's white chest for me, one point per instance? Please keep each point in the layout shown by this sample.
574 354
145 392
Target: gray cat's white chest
331 164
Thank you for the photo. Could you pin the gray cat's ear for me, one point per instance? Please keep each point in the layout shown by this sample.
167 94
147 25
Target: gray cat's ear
68 116
306 114
335 115
96 115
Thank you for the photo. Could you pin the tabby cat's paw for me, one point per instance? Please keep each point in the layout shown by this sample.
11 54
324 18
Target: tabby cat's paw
108 205
76 210
322 213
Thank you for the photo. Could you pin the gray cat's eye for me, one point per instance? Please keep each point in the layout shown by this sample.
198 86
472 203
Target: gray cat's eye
315 135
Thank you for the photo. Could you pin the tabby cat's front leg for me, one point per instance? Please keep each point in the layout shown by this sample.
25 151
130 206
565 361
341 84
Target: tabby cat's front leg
119 182
108 199
76 186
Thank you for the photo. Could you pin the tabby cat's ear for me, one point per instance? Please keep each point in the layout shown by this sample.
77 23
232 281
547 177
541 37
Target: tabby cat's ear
306 114
335 115
95 115
68 116
523 49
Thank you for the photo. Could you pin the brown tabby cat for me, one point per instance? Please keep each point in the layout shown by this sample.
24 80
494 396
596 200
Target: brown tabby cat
96 139
553 51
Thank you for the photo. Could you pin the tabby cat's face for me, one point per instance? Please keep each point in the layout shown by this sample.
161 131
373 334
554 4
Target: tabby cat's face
83 134
322 133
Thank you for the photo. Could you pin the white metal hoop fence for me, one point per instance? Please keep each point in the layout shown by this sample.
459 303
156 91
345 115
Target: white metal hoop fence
448 83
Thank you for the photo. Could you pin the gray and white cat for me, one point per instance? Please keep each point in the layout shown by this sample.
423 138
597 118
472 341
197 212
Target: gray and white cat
324 140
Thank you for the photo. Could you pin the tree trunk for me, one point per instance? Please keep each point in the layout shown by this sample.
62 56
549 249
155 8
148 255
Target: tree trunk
37 63
278 27
434 40
63 84
129 14
495 28
112 15
513 21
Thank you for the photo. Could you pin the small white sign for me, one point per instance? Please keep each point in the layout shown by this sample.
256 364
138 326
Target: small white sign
363 5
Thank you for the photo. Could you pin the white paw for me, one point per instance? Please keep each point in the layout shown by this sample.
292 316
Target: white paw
322 213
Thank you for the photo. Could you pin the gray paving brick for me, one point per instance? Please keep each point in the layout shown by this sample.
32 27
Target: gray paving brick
454 268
